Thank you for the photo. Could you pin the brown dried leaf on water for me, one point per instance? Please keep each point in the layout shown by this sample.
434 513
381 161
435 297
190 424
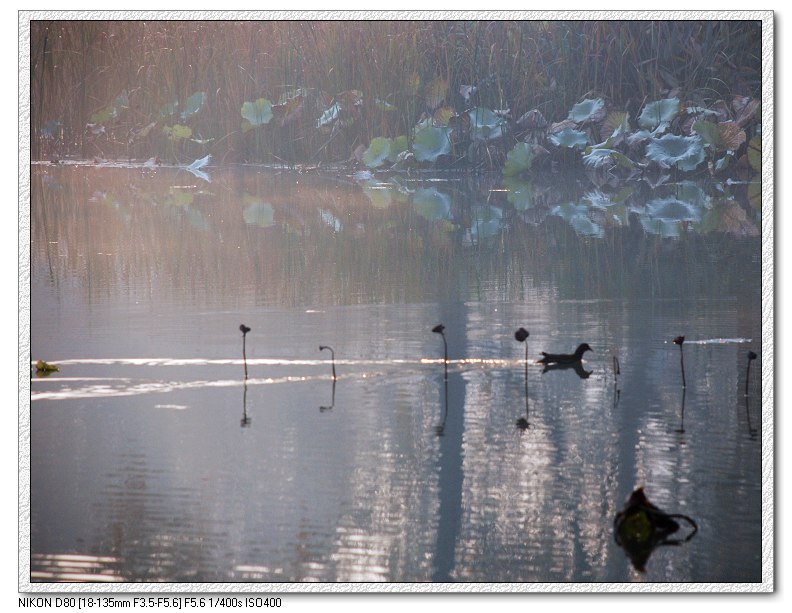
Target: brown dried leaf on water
443 115
290 110
566 124
732 135
745 108
532 120
616 122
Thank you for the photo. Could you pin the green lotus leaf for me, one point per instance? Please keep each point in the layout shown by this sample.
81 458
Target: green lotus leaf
569 138
431 142
397 146
178 131
104 115
588 110
726 136
598 158
518 160
432 204
377 152
193 105
259 213
257 113
684 152
673 209
485 124
658 112
577 216
755 153
520 193
616 126
485 222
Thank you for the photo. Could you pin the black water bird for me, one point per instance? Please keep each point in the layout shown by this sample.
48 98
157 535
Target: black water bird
679 340
751 357
332 356
244 329
565 358
438 329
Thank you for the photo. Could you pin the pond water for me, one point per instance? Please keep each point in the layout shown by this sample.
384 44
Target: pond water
153 458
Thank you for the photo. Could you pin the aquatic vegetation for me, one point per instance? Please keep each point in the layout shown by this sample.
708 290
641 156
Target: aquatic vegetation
684 152
255 114
316 91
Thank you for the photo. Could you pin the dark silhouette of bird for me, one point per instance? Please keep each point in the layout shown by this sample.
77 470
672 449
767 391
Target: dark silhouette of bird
565 358
521 335
679 340
244 329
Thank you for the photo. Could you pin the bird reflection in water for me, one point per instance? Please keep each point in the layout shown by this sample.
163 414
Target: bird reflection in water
641 527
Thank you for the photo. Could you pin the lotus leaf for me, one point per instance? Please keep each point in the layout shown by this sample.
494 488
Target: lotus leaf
616 126
104 115
518 160
259 213
728 216
178 131
485 222
193 105
598 158
588 111
485 124
658 112
430 143
673 209
432 204
443 115
520 194
398 145
726 136
569 138
377 152
257 113
329 116
755 153
577 215
684 152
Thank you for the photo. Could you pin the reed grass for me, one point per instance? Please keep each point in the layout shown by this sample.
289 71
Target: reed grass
80 67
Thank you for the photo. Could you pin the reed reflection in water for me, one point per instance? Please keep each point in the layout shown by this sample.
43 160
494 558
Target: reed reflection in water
139 280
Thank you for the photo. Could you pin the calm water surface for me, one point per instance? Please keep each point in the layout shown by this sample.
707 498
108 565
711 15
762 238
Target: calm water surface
154 459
